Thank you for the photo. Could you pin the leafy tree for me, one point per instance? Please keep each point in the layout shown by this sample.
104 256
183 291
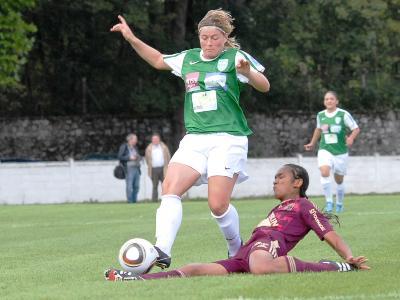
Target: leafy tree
348 46
15 40
77 66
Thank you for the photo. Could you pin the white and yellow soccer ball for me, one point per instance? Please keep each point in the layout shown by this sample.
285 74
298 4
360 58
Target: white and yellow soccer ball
137 256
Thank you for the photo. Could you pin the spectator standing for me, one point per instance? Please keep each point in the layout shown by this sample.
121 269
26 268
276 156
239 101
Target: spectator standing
157 157
129 157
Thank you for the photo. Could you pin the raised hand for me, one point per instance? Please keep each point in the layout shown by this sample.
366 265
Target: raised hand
123 27
243 67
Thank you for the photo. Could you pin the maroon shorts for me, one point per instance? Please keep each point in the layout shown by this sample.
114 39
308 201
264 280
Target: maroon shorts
270 241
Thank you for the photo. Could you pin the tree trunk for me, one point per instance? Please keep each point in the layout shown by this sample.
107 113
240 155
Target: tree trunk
178 9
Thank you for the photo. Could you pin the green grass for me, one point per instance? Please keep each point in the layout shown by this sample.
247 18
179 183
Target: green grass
60 252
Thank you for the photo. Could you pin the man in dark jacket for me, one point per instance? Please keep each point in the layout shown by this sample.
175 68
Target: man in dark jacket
129 157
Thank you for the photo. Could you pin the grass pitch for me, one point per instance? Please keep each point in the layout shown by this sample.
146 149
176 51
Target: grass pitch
60 252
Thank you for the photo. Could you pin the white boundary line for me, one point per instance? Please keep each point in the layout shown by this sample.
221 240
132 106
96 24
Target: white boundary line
390 295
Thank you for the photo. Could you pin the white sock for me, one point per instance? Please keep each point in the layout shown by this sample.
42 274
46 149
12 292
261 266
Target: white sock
229 225
327 188
339 193
168 221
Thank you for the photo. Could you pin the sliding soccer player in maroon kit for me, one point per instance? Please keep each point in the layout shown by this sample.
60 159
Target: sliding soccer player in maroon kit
266 250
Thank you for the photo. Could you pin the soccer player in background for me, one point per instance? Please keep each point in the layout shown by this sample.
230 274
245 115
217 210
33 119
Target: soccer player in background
214 150
332 124
266 251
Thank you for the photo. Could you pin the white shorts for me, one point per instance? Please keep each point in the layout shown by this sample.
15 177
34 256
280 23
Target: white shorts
214 154
337 163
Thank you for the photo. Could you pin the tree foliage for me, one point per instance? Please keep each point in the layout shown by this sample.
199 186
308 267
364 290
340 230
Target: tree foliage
15 40
348 46
308 46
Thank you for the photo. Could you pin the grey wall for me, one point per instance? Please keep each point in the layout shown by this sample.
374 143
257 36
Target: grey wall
280 135
285 134
60 138
79 181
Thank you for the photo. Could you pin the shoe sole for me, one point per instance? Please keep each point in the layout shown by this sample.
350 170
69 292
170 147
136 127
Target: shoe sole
163 261
162 265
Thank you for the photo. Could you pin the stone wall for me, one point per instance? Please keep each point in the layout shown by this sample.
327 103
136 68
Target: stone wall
284 134
280 135
60 138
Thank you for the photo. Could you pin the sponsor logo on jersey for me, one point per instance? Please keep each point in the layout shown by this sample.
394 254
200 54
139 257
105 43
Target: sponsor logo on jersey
270 221
288 207
215 81
193 62
315 205
222 64
313 212
336 128
337 120
325 128
192 82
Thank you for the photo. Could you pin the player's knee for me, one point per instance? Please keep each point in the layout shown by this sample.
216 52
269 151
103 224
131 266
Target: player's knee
218 209
339 179
260 269
325 172
168 186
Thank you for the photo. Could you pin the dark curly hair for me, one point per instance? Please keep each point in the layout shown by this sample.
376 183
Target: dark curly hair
300 173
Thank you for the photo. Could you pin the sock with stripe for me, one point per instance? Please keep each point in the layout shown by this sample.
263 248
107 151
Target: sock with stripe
297 265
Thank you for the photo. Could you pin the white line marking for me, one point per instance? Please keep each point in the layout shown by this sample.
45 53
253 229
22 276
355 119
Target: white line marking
390 295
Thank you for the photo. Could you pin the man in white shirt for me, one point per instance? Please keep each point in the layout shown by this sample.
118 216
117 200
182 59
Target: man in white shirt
157 158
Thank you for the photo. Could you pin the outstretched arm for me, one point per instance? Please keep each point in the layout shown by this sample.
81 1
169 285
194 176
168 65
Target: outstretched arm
344 251
315 138
256 79
149 54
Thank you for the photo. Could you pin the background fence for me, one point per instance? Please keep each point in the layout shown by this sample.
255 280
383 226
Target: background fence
85 181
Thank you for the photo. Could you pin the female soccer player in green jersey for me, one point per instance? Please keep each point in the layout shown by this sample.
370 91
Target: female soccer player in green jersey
332 124
214 150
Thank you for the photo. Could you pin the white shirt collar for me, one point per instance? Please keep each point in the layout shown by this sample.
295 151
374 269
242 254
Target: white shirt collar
209 59
331 114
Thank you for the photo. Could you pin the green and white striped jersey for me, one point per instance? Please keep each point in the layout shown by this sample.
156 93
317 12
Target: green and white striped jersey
333 130
212 90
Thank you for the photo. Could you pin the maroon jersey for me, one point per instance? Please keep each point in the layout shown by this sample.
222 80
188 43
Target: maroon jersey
293 219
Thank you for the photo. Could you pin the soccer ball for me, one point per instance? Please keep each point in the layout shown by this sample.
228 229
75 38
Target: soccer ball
137 256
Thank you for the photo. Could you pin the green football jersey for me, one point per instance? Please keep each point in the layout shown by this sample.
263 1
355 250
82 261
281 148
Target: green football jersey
333 130
212 90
